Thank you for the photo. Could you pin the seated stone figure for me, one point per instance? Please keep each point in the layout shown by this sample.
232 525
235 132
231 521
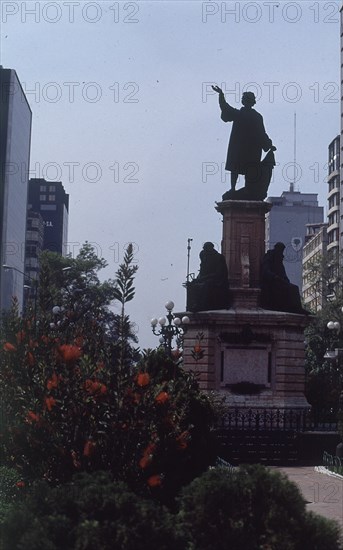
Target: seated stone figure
210 290
277 292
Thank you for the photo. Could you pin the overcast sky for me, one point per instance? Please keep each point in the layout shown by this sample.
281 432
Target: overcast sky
124 116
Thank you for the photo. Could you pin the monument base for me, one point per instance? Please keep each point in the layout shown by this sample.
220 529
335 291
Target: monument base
250 356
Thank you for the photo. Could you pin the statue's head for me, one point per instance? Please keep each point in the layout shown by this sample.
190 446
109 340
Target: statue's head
208 246
248 99
279 248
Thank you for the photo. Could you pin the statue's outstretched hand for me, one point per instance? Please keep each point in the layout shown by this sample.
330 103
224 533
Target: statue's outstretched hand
273 148
217 89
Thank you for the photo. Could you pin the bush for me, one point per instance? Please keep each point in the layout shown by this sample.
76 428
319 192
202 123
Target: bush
90 512
253 509
12 488
66 412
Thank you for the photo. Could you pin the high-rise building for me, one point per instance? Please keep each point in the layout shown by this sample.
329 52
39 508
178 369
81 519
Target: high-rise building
334 200
286 222
52 202
15 139
314 291
34 246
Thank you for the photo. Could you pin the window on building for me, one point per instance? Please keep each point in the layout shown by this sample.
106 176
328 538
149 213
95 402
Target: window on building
52 198
42 188
48 207
42 197
52 188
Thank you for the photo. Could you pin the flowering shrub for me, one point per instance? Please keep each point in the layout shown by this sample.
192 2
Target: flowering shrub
65 411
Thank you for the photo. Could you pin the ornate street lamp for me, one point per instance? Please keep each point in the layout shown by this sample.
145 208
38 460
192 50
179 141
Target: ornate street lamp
332 355
169 327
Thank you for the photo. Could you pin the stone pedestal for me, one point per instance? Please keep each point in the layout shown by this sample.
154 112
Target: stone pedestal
254 357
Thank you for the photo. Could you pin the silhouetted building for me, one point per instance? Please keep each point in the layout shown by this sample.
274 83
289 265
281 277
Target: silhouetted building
286 222
52 202
34 246
15 139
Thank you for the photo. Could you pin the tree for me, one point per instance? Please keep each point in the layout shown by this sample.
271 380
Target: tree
324 378
71 288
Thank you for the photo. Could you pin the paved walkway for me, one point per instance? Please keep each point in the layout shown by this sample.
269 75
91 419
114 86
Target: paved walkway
322 492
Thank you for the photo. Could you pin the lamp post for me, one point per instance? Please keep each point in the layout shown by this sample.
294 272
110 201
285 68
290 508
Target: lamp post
334 355
169 327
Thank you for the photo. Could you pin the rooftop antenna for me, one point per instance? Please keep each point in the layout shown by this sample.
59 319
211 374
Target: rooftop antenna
292 184
188 257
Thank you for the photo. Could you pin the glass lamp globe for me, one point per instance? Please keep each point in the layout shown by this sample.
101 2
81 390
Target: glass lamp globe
331 325
169 305
177 321
162 321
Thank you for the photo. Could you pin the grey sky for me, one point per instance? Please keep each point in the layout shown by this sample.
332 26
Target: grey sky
123 115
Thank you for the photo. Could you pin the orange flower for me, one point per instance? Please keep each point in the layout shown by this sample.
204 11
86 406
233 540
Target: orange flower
94 387
99 366
33 344
143 379
145 461
9 347
147 457
78 341
20 336
20 484
69 353
89 448
52 382
155 480
30 359
162 398
32 417
75 458
50 402
197 348
182 440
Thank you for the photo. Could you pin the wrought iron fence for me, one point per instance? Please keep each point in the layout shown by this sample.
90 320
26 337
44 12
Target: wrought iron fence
263 419
272 419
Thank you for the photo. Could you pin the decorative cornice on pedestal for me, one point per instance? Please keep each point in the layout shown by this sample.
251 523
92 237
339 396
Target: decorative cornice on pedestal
244 205
256 316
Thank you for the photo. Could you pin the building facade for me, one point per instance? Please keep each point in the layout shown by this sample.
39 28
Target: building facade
314 291
286 222
51 201
15 139
333 230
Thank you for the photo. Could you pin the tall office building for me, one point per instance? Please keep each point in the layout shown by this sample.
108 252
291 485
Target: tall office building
52 202
314 291
34 246
286 222
341 134
15 139
333 229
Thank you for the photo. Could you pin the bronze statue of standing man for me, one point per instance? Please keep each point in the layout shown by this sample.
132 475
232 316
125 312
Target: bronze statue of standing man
248 139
